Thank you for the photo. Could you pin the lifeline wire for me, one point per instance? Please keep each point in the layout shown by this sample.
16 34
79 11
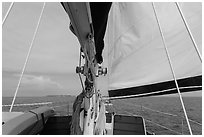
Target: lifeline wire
189 31
163 126
165 113
155 123
27 57
172 70
7 13
31 104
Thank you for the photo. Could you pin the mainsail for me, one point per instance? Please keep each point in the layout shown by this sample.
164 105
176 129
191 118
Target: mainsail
138 63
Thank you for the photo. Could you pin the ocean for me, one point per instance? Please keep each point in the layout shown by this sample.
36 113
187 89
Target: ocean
163 115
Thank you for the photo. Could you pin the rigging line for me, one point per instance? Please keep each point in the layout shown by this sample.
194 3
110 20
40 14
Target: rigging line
27 57
80 58
59 106
172 70
162 126
153 123
79 73
165 113
195 122
31 104
82 85
189 31
7 13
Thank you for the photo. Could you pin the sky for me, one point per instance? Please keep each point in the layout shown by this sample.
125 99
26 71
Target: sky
55 54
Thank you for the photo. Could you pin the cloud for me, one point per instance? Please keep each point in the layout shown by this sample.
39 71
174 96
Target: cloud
39 81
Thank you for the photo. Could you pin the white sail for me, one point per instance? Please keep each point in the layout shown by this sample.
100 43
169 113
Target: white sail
136 53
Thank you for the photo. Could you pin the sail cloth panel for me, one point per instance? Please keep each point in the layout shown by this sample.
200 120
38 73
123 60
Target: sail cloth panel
136 54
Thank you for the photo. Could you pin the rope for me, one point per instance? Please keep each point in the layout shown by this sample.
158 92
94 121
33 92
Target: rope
150 109
195 122
189 32
165 113
155 123
27 57
31 104
172 70
60 106
7 13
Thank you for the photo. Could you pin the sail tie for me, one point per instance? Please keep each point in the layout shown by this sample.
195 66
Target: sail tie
27 57
189 31
7 13
172 70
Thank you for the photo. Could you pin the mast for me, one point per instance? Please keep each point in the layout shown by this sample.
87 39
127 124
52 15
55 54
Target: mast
81 23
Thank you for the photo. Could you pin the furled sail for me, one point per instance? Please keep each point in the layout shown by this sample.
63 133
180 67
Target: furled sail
138 63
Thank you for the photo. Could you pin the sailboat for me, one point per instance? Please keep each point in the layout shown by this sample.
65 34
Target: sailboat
153 49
